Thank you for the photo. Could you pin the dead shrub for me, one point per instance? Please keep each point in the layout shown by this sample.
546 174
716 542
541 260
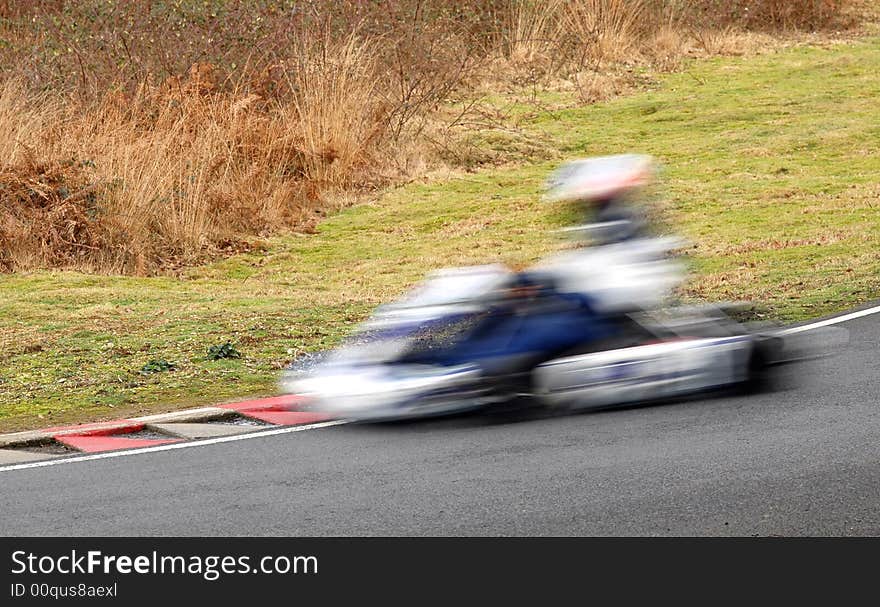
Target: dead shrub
49 216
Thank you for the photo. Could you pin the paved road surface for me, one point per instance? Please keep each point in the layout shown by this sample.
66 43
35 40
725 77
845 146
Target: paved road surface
804 460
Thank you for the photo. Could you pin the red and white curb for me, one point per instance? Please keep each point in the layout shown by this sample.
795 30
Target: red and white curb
209 425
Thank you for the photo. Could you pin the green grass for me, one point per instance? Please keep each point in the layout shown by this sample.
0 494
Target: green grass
771 170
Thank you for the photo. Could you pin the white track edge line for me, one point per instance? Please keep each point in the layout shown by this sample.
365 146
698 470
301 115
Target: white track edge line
831 321
289 429
172 446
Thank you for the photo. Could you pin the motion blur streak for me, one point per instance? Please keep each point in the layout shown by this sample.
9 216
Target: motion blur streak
591 326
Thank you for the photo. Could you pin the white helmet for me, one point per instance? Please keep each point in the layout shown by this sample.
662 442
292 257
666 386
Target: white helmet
600 178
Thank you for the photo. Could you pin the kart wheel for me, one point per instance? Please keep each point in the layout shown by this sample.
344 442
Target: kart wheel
760 372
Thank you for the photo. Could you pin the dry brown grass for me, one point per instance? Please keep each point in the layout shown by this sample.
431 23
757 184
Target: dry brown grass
592 85
606 30
117 158
594 35
177 170
531 31
773 244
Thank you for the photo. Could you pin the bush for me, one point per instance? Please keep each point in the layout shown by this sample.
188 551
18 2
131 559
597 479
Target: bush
224 350
157 366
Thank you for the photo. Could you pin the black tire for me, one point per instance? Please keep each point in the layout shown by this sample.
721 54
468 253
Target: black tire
761 374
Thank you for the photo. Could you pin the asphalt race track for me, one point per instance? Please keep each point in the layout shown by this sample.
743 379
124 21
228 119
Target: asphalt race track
804 460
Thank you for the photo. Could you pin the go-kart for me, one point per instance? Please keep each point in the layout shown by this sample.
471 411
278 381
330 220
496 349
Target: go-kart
587 327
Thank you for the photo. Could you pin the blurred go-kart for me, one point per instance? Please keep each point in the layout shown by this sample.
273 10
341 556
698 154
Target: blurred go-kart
587 327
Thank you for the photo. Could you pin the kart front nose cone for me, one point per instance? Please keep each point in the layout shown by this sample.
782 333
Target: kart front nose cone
380 391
